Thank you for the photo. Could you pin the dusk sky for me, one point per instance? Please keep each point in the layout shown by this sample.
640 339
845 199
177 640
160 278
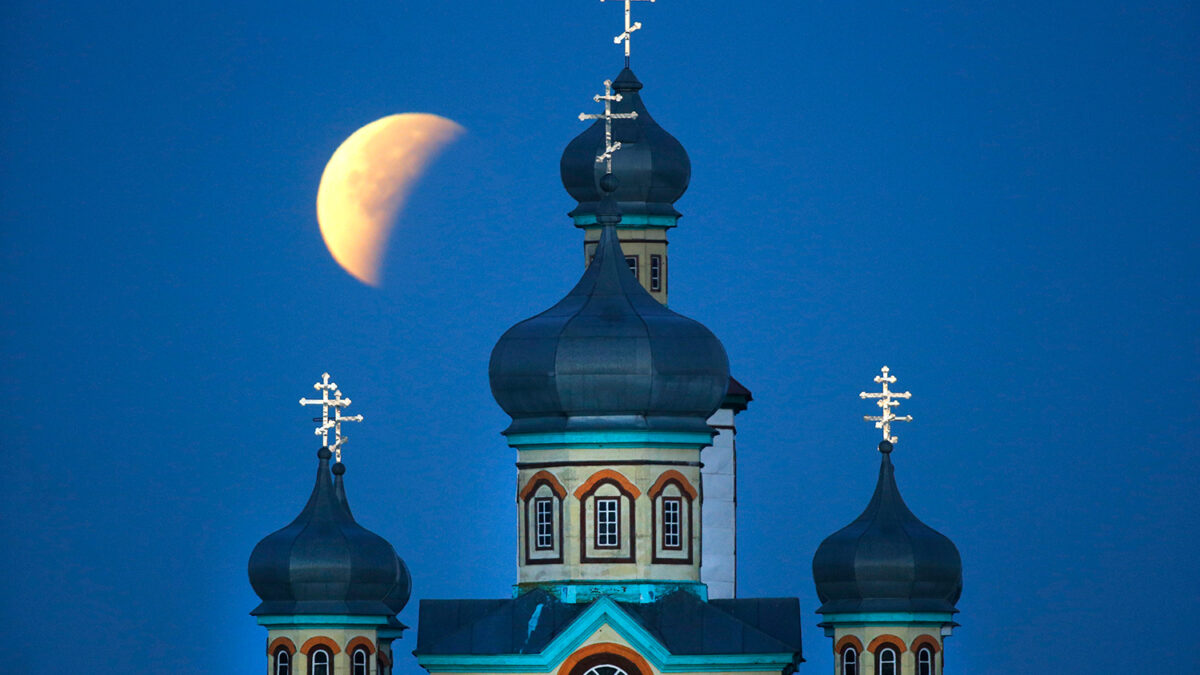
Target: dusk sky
998 200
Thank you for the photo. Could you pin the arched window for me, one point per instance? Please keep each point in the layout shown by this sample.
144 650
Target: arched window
924 661
283 662
887 661
606 664
541 503
672 497
358 662
606 518
320 662
849 660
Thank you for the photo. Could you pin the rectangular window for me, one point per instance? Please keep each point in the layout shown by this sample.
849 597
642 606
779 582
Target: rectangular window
672 512
656 272
608 529
544 524
631 260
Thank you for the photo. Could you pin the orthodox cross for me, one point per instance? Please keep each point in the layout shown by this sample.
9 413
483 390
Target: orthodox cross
337 403
629 28
608 116
887 402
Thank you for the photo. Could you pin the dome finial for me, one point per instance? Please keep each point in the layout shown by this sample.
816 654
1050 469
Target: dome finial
886 401
337 403
629 28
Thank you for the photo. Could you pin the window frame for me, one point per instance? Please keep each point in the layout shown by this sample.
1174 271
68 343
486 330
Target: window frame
676 502
852 652
284 667
615 532
632 261
925 652
312 660
366 661
538 503
656 273
895 660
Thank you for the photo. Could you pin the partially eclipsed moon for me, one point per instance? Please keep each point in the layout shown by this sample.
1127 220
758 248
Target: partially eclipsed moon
367 181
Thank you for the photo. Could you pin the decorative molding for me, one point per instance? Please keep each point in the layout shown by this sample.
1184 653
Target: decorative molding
667 477
889 640
607 474
602 649
360 641
605 462
848 640
926 640
319 641
281 642
384 659
543 477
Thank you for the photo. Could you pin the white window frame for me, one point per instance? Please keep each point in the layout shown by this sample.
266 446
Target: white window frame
672 528
360 654
888 657
543 529
608 522
283 666
850 660
656 272
925 660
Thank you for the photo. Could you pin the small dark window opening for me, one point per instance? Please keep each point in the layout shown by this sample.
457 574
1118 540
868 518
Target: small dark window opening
359 661
631 260
887 661
656 272
283 662
319 662
924 661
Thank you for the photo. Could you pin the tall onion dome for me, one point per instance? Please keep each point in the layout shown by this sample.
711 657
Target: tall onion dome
326 563
652 169
609 357
887 560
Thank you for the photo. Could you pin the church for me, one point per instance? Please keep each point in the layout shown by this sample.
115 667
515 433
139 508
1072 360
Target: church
624 426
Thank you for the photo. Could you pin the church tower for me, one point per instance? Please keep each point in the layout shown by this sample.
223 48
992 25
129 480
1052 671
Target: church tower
888 583
610 395
330 588
652 171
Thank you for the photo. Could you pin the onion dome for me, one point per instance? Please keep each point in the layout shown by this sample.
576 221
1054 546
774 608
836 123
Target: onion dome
652 168
608 356
887 560
326 563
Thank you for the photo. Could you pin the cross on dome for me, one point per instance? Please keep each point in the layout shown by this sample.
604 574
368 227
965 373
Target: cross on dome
629 28
327 424
887 402
608 116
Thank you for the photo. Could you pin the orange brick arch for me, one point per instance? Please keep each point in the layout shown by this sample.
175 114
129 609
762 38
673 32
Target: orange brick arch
605 648
668 476
607 474
555 486
926 640
281 642
848 640
319 641
360 641
890 639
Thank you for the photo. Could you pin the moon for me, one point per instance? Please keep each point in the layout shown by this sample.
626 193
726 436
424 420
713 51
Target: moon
366 182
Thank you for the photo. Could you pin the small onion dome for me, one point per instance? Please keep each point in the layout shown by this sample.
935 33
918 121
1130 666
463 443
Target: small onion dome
652 167
608 357
887 560
326 563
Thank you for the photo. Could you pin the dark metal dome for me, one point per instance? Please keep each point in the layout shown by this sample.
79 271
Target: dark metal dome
326 563
608 357
652 167
887 560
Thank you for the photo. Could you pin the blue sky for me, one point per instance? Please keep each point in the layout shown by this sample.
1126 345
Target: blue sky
998 200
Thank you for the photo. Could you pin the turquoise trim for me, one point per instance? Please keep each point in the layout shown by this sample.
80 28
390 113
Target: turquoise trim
390 633
889 618
610 438
637 591
321 620
604 611
629 221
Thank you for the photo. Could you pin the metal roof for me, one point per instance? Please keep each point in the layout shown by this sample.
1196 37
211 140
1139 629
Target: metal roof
326 563
608 356
887 560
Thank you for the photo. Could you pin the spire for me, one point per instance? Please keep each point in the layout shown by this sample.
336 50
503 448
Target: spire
627 35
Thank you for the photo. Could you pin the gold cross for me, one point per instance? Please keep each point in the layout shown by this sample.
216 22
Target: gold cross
884 420
337 403
629 28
